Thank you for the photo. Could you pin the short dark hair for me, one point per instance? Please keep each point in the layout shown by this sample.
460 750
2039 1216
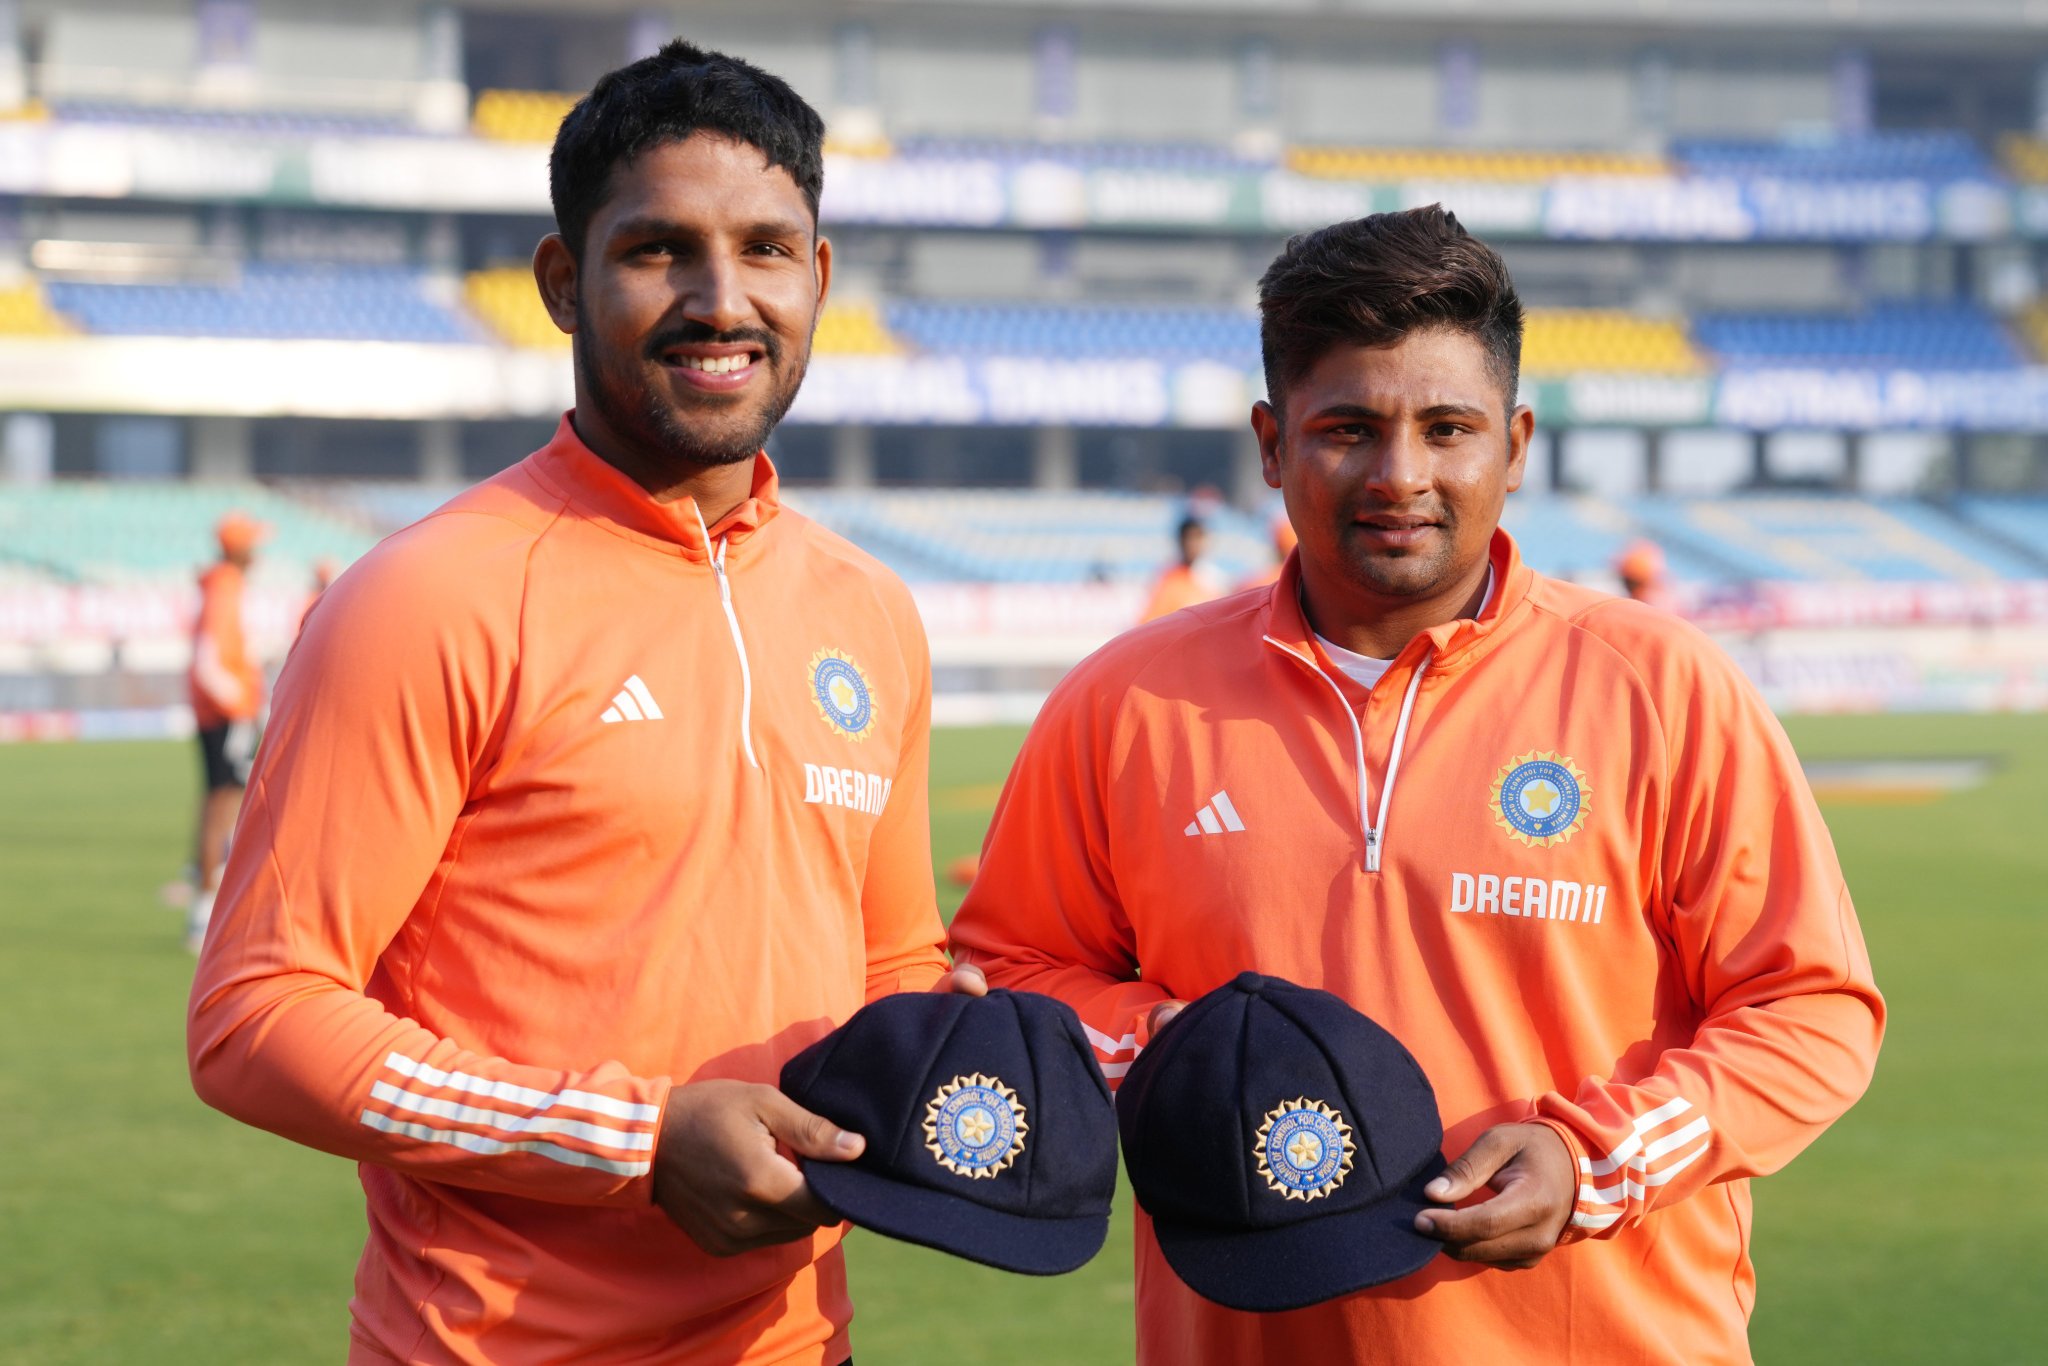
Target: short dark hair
680 90
1371 281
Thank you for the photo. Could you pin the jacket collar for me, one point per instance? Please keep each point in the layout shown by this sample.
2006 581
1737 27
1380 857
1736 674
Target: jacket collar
1451 645
606 494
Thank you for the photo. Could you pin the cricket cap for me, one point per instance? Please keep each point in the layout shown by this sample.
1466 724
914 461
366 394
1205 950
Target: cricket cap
237 531
1280 1142
990 1131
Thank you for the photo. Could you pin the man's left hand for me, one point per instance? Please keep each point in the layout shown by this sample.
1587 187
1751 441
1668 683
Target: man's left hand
963 981
1535 1184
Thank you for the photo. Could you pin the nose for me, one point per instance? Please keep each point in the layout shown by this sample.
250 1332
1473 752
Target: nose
1398 471
713 294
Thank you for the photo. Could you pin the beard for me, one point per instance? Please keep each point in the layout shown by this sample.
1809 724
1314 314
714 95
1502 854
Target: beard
663 435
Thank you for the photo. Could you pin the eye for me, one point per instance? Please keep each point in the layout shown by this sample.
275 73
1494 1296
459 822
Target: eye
1446 431
769 249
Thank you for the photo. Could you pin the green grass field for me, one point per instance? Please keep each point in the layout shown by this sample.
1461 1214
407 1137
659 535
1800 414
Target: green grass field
141 1227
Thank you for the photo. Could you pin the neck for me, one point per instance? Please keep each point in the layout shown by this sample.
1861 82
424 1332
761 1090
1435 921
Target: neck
1377 625
717 489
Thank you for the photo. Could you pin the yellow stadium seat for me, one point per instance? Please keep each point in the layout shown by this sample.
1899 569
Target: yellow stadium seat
520 115
25 313
854 329
1569 341
505 298
2026 158
1404 163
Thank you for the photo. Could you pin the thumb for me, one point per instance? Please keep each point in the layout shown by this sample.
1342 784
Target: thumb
1473 1168
807 1134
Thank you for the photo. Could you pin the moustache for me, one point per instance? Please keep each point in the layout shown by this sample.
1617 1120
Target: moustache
698 334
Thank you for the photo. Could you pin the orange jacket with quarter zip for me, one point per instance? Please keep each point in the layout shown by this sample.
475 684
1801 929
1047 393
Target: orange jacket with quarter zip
566 799
1562 851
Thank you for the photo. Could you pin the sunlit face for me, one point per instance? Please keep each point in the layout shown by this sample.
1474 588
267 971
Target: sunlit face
1395 462
693 304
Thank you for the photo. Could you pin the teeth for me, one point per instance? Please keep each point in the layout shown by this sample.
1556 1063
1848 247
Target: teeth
717 365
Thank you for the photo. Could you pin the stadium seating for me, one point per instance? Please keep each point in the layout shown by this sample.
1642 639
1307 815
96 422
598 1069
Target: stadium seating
520 115
273 122
1078 330
2025 158
2022 522
1028 536
362 303
1918 335
1936 157
505 298
1125 156
114 533
24 312
1565 341
1416 163
1820 537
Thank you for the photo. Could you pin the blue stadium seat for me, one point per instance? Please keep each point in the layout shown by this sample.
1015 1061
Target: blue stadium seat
1911 335
1935 156
357 303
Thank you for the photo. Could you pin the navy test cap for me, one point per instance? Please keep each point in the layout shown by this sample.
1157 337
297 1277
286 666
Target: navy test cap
990 1132
1280 1141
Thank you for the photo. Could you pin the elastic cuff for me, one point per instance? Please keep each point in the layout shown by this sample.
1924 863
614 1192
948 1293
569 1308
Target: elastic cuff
1571 1233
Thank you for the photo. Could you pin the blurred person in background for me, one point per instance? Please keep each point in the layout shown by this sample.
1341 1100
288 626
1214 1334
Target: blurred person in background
1284 541
1641 569
324 571
226 688
1188 581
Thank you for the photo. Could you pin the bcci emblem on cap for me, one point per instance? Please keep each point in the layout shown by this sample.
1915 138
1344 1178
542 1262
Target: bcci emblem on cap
1303 1149
1540 799
841 691
974 1126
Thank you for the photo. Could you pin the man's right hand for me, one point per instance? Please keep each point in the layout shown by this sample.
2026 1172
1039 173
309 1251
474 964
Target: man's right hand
721 1169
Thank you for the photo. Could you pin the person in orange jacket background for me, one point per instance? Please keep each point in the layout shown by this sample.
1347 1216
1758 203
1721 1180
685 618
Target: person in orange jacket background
226 689
1187 581
1550 838
592 798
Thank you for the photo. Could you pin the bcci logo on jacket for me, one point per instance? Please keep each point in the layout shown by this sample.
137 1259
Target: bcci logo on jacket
840 690
974 1126
1540 798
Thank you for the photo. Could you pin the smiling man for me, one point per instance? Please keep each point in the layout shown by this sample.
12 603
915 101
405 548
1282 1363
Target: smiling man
1551 839
537 884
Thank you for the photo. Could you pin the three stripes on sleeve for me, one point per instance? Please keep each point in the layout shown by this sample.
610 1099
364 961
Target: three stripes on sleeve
413 1100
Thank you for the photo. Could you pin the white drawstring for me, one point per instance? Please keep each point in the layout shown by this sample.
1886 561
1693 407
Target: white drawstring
1375 832
732 620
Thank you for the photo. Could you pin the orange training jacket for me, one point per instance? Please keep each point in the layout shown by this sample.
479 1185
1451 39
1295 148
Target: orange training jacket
1562 851
224 683
565 800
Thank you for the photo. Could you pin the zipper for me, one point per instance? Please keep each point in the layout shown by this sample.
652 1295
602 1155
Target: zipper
1374 830
739 644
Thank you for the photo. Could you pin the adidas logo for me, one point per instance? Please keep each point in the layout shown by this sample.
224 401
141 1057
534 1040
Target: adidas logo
1215 818
634 703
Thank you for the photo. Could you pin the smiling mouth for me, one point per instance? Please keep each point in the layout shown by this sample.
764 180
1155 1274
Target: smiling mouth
712 365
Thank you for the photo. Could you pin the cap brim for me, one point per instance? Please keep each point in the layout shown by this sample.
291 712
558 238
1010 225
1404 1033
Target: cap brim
1291 1267
950 1223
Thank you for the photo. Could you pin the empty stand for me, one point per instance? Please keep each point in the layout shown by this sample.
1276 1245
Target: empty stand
1430 163
159 532
358 303
1564 341
1927 336
1935 156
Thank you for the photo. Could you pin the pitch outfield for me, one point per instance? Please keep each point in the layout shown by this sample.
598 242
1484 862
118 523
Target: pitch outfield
140 1227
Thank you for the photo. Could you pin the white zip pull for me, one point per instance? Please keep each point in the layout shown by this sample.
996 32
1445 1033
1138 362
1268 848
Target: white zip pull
1376 838
1373 831
739 644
